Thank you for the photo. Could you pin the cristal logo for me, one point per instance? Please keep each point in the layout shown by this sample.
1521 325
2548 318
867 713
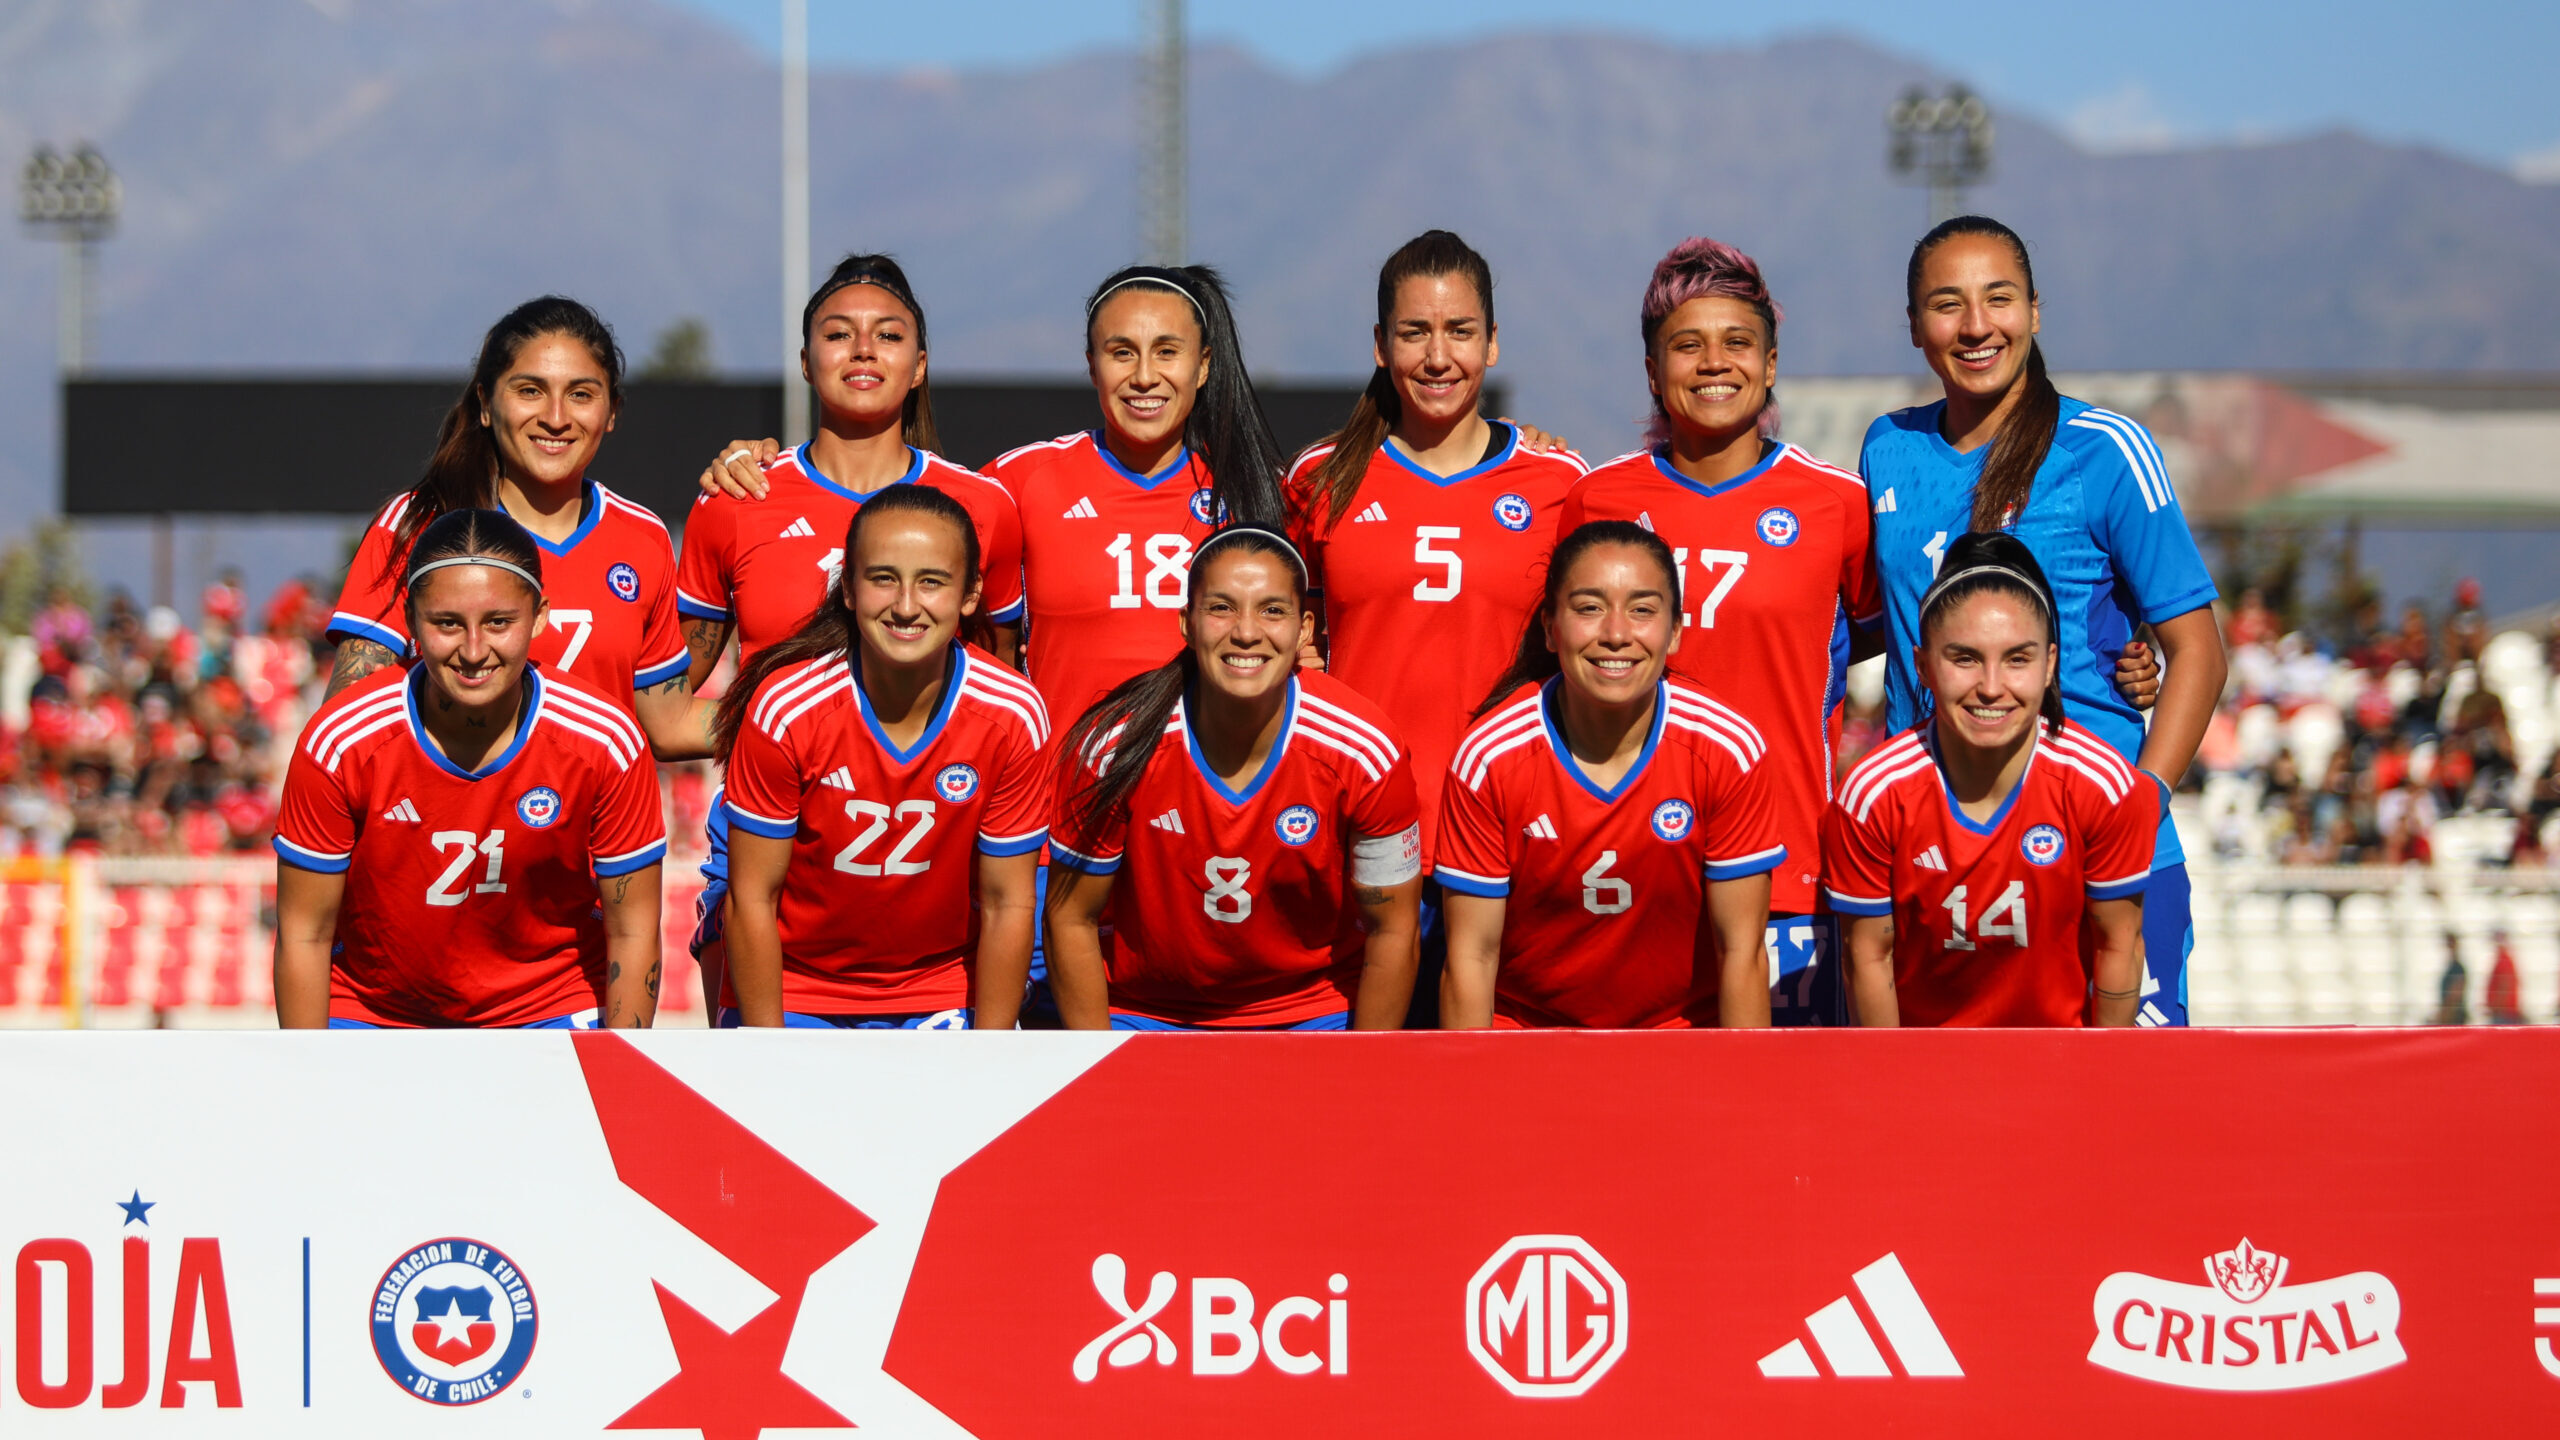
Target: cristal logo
2247 1330
1225 1338
1546 1316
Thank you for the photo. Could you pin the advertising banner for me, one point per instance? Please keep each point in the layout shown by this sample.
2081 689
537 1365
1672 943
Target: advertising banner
2342 1233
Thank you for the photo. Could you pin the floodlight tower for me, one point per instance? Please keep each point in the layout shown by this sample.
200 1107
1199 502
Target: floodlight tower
1167 162
795 214
74 199
1941 141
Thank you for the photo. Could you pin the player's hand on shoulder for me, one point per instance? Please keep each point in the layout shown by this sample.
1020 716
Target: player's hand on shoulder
1533 438
739 472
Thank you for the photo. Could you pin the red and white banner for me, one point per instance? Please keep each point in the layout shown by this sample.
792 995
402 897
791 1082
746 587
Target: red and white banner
1803 1233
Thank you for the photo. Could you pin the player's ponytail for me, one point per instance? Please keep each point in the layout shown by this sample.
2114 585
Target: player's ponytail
1226 428
2018 450
1994 562
1697 269
1536 662
916 416
463 473
1106 751
1433 252
829 630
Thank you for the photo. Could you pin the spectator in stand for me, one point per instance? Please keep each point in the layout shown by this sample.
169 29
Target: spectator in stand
2466 630
2252 623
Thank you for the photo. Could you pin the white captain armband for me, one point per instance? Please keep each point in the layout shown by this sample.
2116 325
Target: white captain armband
1383 860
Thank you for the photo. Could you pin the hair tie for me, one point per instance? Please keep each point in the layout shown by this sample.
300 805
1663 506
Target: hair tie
492 561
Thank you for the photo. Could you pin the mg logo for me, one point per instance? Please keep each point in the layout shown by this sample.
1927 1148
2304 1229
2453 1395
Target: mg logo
1546 1316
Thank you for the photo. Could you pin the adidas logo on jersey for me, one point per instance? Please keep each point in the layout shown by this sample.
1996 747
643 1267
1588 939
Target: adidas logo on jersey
1884 502
1930 859
1644 518
839 778
800 528
1375 511
1170 820
1081 510
403 811
1541 828
1848 1347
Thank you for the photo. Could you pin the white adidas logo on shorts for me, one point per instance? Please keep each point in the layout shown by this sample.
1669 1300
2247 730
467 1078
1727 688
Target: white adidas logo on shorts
1850 1350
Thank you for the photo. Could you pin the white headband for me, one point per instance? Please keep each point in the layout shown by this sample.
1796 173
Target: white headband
1273 538
1160 283
1945 583
492 561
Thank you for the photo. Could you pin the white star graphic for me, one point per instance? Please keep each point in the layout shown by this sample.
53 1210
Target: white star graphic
452 1325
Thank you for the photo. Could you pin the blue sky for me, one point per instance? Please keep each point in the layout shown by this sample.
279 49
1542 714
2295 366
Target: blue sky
2470 76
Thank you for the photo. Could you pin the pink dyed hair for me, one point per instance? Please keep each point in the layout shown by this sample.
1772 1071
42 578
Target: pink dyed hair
1696 269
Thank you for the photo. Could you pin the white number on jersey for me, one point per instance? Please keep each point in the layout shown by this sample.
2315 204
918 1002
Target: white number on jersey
580 624
1227 899
919 811
1168 571
463 844
1936 550
833 564
1602 892
2012 903
1725 567
1425 554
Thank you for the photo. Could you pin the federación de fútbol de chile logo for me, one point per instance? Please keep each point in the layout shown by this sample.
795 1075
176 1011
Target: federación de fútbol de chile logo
453 1322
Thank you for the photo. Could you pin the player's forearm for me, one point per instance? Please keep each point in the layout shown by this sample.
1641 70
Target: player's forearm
2191 651
1077 978
1870 946
755 959
703 642
677 722
2115 971
1008 643
1389 957
632 951
1469 972
1739 911
302 982
1005 927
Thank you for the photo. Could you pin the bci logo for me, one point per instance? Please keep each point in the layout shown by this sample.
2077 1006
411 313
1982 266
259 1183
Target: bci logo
1546 1316
1296 1335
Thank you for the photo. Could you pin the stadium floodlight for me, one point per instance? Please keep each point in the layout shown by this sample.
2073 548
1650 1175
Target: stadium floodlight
1942 141
795 214
1167 162
74 199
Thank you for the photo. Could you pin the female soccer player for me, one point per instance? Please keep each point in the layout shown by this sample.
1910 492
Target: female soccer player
1249 831
543 395
1993 858
886 795
471 841
2088 493
1606 833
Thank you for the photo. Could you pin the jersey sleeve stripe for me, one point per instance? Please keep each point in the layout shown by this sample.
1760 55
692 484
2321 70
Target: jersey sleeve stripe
1063 442
2141 437
1882 785
1010 613
324 733
698 609
608 866
1483 887
842 685
379 721
2115 790
1879 768
636 511
316 861
665 670
1369 742
1474 777
1677 721
344 627
1495 728
389 519
2140 466
1368 764
1759 862
1077 860
1870 906
588 704
1731 726
1012 844
1826 467
1715 712
2119 889
576 724
764 825
786 690
2082 743
993 698
999 680
1348 723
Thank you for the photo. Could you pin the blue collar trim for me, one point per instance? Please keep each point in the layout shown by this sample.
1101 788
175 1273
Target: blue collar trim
957 671
1662 462
1270 762
1564 753
2000 816
587 518
808 467
1501 457
427 743
1181 463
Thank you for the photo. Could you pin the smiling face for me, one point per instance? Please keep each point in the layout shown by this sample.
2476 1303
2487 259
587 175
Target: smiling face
474 626
1712 366
1246 621
549 410
862 355
1148 361
1987 660
1614 624
1436 346
1974 314
907 582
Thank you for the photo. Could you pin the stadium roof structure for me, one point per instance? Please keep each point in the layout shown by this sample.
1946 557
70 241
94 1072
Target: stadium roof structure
2448 449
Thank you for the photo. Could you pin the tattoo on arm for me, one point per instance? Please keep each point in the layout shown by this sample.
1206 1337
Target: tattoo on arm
356 659
681 685
621 890
654 967
1369 895
704 639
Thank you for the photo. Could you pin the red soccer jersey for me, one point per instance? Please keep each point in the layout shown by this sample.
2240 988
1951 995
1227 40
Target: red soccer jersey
1106 555
1427 583
1604 921
611 587
878 910
471 895
763 565
1774 568
1986 917
1233 907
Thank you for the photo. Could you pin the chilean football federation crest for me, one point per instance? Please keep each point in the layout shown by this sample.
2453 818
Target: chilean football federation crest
625 582
1206 509
453 1322
539 807
1672 819
1778 526
1513 512
2042 846
1297 825
955 783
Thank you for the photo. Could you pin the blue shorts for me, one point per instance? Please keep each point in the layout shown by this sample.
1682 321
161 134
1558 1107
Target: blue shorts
958 1019
1123 1020
583 1020
2168 938
1804 972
